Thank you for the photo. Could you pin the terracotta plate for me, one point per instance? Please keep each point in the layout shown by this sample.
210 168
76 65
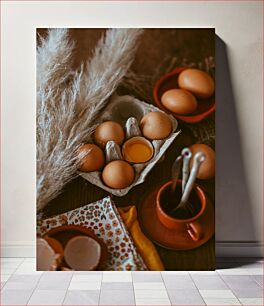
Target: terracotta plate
169 81
165 237
64 233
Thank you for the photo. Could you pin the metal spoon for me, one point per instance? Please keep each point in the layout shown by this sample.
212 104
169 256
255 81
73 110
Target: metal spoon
175 172
199 158
187 155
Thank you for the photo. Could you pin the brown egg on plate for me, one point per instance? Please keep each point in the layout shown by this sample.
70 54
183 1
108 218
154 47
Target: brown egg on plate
118 174
156 125
207 169
91 158
197 82
109 130
82 253
179 101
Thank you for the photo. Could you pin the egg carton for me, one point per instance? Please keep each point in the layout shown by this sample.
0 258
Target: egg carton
128 111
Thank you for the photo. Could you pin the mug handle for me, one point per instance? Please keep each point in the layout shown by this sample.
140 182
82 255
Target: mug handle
194 229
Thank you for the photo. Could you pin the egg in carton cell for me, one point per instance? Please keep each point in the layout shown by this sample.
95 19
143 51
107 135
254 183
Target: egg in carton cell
128 111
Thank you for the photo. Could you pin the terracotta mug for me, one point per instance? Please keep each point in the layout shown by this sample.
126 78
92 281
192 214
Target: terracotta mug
194 225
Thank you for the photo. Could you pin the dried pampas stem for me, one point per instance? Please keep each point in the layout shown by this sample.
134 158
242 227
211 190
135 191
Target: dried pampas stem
66 111
54 60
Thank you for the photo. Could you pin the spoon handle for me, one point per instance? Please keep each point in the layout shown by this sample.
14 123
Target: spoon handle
187 155
175 172
198 159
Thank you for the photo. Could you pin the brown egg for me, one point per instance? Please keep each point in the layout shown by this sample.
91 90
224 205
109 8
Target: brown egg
179 101
118 174
197 82
207 169
91 158
156 125
109 130
82 253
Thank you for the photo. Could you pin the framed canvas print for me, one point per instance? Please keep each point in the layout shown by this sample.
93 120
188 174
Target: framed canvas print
125 149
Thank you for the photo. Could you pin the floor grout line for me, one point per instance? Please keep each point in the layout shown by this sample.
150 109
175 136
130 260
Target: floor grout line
166 288
35 288
133 289
231 289
100 289
67 289
197 287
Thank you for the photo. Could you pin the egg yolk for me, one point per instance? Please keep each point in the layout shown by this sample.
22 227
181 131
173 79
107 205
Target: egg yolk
138 152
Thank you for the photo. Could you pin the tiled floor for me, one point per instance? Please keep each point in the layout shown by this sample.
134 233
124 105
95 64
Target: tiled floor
235 282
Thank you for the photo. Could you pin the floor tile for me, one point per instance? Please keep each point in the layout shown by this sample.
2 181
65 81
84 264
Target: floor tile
178 282
203 272
30 260
85 286
217 294
160 302
174 272
251 301
2 284
209 282
146 277
149 286
117 297
5 277
221 301
117 276
248 293
54 281
12 259
12 265
150 294
87 278
8 270
117 286
254 271
24 278
27 268
185 297
20 285
258 279
232 271
47 297
88 273
240 282
15 297
87 297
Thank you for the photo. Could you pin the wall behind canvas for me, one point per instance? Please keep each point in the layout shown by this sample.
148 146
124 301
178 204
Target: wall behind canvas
239 193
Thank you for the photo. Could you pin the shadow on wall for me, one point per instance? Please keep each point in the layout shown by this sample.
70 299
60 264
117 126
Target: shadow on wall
234 222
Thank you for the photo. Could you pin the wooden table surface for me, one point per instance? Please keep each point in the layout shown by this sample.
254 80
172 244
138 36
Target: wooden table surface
195 44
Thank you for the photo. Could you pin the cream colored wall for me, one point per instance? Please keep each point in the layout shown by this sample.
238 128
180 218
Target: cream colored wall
238 24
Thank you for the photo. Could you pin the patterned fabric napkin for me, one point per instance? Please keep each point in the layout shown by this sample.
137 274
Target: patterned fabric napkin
103 219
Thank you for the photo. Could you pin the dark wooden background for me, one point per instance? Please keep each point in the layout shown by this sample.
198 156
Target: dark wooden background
192 44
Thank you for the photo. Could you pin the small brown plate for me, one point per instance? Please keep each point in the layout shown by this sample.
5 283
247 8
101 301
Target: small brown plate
169 81
161 235
65 232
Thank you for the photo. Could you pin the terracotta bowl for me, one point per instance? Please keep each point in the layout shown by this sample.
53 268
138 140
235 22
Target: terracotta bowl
170 81
65 232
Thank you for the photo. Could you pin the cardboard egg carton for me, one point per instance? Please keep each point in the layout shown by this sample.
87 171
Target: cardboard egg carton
120 109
